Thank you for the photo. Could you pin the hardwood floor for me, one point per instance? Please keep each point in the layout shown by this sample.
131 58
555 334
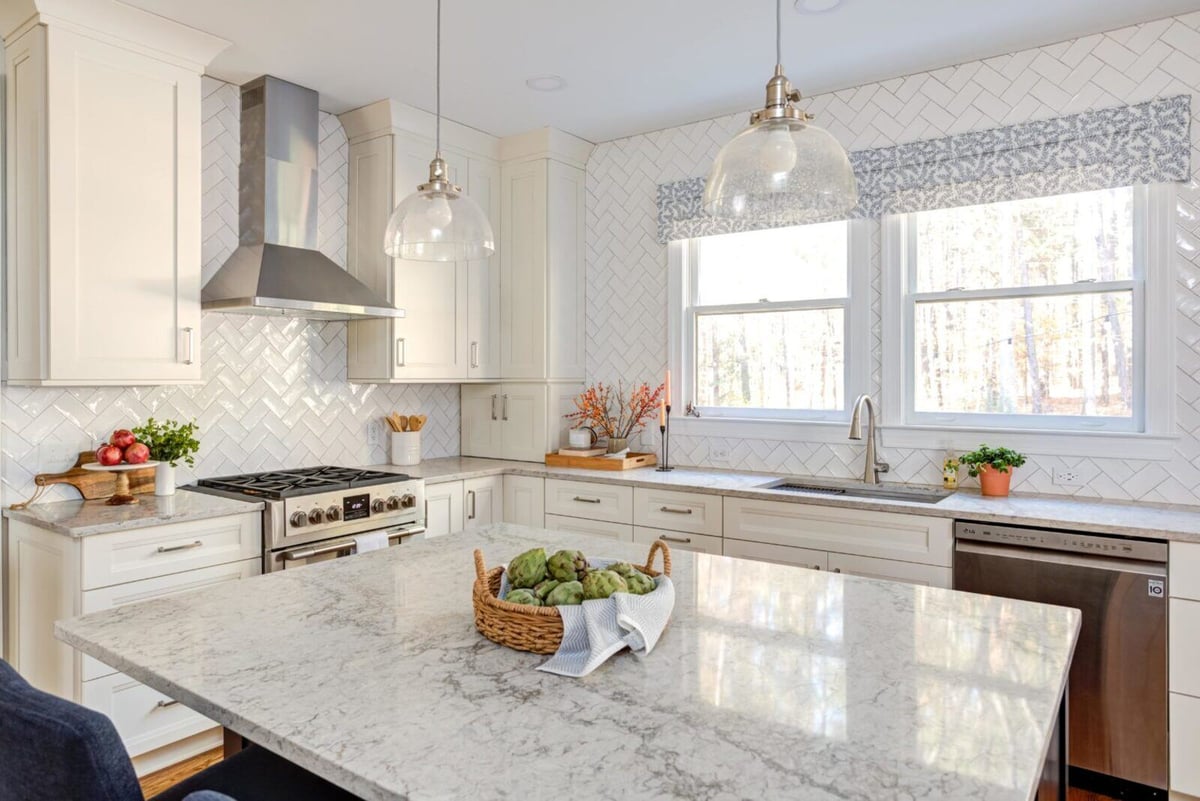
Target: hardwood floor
167 777
155 783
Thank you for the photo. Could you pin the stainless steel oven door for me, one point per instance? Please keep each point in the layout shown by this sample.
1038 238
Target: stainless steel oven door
334 548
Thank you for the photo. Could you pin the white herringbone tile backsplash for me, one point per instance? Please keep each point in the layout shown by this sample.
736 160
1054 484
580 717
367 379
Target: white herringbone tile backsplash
275 392
627 267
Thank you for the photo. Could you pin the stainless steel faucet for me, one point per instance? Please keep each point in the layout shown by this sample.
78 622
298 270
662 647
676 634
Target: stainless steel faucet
873 466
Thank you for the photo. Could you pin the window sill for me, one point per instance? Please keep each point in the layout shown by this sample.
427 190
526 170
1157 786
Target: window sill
1076 444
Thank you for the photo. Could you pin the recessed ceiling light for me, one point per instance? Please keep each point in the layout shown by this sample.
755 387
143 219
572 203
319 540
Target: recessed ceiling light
816 6
546 83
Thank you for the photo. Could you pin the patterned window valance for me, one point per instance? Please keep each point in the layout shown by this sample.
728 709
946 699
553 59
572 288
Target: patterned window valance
1141 144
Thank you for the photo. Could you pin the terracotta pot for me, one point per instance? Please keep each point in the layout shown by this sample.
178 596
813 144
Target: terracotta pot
994 483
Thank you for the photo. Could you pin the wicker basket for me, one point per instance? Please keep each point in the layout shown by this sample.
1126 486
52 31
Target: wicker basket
530 628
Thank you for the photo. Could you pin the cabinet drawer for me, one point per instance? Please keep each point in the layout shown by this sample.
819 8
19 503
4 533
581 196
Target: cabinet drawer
890 570
677 511
142 553
599 528
679 540
588 500
1184 646
909 538
1185 744
1185 570
145 719
779 554
158 587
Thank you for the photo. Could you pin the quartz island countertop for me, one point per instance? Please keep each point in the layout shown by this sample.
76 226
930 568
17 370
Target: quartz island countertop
85 518
771 682
1131 519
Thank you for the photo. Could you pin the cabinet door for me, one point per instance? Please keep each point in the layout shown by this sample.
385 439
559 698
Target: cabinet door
144 718
891 570
596 528
443 509
523 422
565 272
523 270
124 216
483 278
779 554
1185 744
525 500
484 499
370 204
481 426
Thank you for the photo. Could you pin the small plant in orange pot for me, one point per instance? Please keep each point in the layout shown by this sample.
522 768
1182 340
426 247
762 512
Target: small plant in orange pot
993 467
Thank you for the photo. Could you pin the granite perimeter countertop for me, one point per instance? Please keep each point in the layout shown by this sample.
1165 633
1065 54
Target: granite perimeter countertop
771 681
85 518
1154 521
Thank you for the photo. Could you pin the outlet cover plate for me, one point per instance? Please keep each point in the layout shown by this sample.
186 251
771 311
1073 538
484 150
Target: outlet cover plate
1068 477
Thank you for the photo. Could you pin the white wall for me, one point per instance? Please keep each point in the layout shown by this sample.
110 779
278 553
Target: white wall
275 392
627 268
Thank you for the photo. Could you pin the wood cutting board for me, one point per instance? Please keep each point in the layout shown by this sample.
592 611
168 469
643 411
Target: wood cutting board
94 485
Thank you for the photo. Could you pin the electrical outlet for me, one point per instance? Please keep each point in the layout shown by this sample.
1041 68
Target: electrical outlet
373 431
1067 477
718 454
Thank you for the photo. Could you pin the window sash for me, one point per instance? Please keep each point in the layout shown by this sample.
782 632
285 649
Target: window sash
909 298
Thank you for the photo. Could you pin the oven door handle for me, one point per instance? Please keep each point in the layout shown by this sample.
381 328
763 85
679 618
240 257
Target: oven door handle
341 545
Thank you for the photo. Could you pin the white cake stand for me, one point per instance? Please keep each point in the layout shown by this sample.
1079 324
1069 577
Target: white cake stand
122 496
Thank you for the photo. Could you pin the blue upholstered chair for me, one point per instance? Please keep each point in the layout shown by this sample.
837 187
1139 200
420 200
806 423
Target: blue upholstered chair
55 750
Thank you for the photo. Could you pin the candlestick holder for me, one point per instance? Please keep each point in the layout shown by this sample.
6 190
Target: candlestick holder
665 432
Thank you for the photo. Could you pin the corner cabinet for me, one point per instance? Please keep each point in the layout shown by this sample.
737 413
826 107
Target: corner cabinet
103 151
520 421
450 331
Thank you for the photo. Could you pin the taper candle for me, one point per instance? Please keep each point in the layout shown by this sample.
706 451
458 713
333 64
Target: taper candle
668 392
662 412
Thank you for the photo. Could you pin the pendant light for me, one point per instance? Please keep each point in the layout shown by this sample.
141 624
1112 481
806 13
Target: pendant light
782 170
438 222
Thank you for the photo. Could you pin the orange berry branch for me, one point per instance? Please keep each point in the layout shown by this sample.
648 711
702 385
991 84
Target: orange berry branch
610 413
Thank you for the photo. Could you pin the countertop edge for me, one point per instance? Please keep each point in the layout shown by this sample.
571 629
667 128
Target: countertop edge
221 507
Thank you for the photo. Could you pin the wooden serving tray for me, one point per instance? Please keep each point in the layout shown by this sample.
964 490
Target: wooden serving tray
94 485
630 461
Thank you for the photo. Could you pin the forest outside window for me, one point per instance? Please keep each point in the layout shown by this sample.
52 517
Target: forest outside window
1027 314
767 322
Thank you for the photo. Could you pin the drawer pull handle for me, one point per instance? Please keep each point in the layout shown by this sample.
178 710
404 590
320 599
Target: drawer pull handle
586 500
837 570
675 539
185 547
674 511
816 567
167 704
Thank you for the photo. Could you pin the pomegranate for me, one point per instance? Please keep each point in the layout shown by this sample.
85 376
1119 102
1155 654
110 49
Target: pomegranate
108 455
137 453
122 438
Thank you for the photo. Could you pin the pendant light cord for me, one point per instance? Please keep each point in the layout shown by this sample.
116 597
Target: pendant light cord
438 82
778 31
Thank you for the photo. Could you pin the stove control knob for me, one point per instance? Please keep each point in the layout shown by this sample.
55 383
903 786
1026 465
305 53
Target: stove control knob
333 513
393 503
409 501
316 516
378 506
299 519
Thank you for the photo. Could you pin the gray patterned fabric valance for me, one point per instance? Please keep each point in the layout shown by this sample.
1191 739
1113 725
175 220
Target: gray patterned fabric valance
1141 144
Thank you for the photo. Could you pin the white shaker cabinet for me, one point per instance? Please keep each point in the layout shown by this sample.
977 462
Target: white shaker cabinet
525 500
483 500
450 331
514 420
1184 686
103 154
444 513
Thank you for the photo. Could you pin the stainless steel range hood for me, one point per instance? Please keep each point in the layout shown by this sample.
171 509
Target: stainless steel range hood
277 268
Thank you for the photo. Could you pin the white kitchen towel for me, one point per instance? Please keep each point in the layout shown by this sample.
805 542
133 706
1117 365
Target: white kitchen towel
595 630
371 541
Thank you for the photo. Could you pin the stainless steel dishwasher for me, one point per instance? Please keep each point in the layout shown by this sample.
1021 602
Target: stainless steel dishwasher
1117 699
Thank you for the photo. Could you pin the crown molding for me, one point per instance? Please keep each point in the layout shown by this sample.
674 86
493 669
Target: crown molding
393 117
548 143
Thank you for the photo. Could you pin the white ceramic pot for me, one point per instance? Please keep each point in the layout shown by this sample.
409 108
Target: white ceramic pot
164 479
406 447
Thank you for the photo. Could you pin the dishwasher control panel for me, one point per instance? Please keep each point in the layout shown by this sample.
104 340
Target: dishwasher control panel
1072 541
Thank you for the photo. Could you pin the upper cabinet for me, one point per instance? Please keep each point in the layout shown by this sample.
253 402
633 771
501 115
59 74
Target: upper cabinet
515 316
450 331
103 252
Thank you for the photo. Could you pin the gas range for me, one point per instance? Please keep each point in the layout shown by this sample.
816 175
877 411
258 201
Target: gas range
315 513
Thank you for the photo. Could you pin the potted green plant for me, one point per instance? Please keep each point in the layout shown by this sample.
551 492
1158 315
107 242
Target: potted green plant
170 442
993 467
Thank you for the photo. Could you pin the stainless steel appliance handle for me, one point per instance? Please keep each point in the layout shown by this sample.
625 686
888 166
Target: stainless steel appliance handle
674 539
401 351
494 397
471 498
674 511
341 545
586 500
1110 563
504 408
191 345
185 547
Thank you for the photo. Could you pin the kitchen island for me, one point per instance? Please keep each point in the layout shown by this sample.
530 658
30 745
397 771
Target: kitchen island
771 682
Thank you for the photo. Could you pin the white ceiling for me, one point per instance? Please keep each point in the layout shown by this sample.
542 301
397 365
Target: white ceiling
631 65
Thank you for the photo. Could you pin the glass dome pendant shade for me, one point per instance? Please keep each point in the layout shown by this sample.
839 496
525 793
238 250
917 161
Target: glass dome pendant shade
438 222
782 170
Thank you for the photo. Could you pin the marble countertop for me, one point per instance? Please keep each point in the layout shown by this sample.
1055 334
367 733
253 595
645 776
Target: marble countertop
770 682
85 518
1154 521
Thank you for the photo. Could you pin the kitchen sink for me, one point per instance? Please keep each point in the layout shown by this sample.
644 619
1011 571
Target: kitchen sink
885 492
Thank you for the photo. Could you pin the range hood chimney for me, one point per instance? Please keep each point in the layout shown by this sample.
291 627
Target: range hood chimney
277 268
